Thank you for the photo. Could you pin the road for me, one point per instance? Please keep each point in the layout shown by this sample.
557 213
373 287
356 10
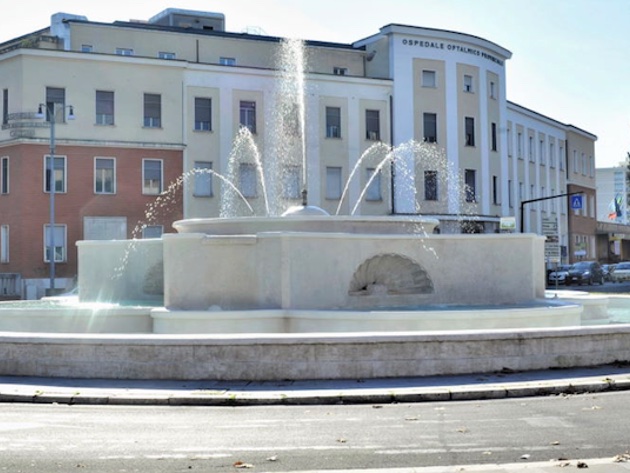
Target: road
608 287
61 438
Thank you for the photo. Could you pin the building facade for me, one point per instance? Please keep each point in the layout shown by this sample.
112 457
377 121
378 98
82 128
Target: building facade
158 100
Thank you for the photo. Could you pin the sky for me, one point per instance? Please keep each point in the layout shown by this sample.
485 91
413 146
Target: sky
570 58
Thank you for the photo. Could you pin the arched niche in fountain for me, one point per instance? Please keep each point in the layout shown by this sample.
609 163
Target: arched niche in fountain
390 274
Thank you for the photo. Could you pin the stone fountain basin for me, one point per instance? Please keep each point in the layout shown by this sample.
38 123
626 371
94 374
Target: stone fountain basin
389 225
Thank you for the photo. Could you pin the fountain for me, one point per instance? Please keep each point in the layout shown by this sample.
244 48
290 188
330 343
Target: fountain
289 291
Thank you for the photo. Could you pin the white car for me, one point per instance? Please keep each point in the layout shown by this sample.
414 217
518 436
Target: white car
621 272
559 276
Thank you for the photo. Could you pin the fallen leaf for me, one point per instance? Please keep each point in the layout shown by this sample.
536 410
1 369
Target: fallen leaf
555 442
582 465
525 456
273 458
341 440
240 464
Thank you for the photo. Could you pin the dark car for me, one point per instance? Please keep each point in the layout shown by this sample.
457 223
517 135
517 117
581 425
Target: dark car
585 272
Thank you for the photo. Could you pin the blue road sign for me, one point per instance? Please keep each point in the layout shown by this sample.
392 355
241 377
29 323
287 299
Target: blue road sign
576 202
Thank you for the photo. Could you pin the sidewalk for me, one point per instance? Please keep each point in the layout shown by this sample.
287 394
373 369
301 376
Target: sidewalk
375 391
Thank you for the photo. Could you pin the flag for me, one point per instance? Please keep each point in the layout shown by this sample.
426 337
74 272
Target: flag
614 208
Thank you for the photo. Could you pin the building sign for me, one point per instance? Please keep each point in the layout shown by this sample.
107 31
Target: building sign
552 241
452 47
507 224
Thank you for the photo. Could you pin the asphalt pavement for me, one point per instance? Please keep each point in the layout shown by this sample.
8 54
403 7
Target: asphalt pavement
498 385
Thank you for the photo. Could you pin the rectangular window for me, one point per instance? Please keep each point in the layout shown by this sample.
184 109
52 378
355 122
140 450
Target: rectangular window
248 115
152 176
152 231
291 182
104 107
59 173
104 176
124 51
470 131
519 144
4 244
5 106
510 194
333 183
493 91
227 61
576 164
333 122
561 157
429 121
495 190
374 189
552 155
166 55
530 149
428 79
55 241
470 182
468 83
493 130
152 110
203 179
509 142
372 125
541 152
521 191
203 114
430 185
56 104
247 180
4 170
340 71
86 48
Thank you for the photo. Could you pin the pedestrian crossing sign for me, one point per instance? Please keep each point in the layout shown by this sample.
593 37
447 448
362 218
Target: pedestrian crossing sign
576 202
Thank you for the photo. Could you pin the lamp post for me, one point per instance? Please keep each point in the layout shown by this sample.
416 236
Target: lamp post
51 114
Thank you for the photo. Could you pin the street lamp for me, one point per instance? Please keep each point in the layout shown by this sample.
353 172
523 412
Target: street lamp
51 115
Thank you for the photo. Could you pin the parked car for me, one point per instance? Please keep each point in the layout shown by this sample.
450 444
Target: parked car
559 275
585 272
608 269
621 272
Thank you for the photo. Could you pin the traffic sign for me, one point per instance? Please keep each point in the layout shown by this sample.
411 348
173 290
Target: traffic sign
576 202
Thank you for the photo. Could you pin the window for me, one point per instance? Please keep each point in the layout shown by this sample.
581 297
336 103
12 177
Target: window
248 115
152 110
59 174
521 191
227 61
55 241
333 122
561 157
104 176
509 142
152 176
428 79
166 55
374 189
468 83
5 106
4 170
510 192
493 91
493 131
104 107
530 149
56 103
152 231
576 164
124 51
495 190
470 131
541 152
552 155
519 144
340 71
430 185
4 244
291 182
203 179
247 180
372 125
333 183
86 48
429 121
470 184
203 114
